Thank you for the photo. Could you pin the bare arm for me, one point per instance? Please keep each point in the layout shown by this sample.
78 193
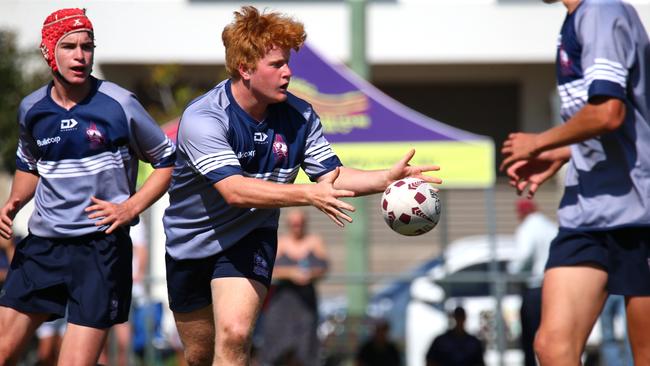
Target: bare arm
320 251
7 246
117 214
599 116
22 190
294 272
284 272
240 191
289 272
364 182
141 255
152 189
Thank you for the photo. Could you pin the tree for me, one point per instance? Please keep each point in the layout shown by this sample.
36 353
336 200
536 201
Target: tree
15 84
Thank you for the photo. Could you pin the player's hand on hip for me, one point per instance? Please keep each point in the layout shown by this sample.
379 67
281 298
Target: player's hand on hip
7 214
403 169
113 214
326 198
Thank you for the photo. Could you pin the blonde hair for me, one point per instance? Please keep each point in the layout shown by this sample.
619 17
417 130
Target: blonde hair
252 34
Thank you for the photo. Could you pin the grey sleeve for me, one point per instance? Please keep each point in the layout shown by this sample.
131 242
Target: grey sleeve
146 138
604 31
27 153
319 157
203 140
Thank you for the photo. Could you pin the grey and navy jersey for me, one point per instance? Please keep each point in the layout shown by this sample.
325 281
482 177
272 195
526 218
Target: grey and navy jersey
90 150
217 139
603 51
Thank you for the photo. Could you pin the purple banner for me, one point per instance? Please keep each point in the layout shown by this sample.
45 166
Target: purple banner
353 110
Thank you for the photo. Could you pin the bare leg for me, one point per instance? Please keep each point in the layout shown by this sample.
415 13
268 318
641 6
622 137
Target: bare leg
236 302
196 330
123 337
48 350
81 345
572 298
104 354
121 334
638 323
16 328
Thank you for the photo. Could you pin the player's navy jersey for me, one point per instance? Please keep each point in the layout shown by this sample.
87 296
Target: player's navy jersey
90 150
604 51
217 139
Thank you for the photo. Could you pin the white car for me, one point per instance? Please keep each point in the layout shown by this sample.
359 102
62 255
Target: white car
463 280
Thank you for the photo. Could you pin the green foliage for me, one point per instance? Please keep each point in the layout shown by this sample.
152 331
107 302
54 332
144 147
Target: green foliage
15 84
167 92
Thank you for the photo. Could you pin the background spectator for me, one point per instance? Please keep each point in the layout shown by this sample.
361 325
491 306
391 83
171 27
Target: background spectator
533 238
291 315
612 352
379 350
456 347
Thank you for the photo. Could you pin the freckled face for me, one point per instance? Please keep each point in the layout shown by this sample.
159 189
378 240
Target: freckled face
270 80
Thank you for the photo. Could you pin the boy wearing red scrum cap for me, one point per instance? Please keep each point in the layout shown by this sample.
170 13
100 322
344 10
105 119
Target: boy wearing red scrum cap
79 144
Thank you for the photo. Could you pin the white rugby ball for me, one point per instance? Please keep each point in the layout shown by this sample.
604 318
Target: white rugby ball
410 206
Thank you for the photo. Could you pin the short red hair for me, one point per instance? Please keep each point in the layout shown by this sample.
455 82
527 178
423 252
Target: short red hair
252 34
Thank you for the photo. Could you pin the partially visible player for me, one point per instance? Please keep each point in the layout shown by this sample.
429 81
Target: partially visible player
50 334
240 146
603 245
79 145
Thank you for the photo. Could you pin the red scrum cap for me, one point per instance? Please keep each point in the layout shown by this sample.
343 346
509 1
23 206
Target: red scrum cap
524 206
58 25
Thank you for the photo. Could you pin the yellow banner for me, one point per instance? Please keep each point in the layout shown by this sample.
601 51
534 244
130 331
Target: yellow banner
462 164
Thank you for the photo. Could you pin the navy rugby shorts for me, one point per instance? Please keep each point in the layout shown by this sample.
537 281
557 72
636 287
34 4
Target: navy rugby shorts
188 280
89 274
624 253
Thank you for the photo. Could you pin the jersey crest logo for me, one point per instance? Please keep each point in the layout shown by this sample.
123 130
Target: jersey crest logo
94 136
114 309
260 137
280 148
260 266
565 62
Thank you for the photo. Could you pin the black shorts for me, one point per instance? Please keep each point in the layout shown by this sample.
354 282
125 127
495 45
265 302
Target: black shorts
624 253
90 274
188 280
